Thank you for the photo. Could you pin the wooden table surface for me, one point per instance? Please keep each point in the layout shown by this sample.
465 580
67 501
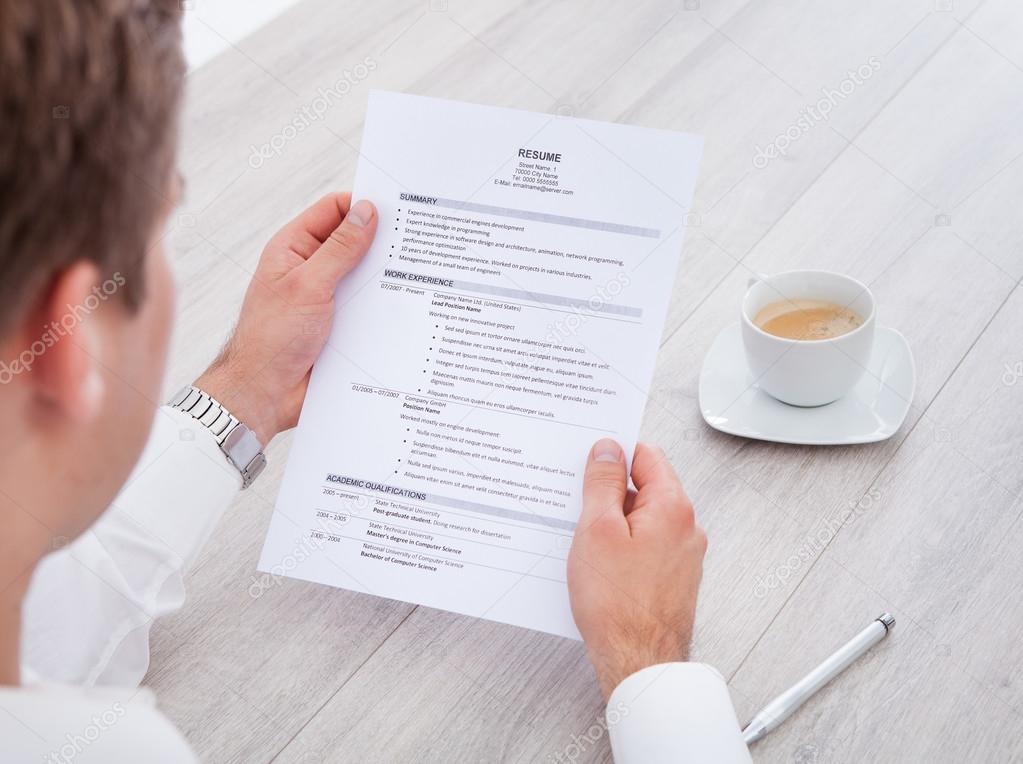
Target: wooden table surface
911 184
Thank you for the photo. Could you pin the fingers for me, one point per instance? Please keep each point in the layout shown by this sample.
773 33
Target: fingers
604 488
652 470
345 245
320 220
658 485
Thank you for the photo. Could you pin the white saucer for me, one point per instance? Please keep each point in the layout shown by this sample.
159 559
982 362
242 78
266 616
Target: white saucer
873 410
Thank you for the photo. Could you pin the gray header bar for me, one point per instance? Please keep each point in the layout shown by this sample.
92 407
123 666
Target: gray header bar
396 493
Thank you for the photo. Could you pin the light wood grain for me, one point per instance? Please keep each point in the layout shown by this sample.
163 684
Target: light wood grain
912 186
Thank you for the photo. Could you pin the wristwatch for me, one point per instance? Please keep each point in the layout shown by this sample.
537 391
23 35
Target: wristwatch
239 444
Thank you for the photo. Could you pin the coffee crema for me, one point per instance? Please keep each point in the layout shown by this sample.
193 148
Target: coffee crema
807 319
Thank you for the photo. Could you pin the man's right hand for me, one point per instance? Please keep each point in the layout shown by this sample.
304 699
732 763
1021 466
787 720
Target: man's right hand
635 565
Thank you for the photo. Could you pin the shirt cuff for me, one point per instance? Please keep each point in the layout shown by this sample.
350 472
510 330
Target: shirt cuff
674 712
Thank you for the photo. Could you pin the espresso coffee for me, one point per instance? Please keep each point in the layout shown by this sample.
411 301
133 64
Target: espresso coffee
807 319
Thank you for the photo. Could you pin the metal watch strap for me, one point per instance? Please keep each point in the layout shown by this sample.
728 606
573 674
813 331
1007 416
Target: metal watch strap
238 443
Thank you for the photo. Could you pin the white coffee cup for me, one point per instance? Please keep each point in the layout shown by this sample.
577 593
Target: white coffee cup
808 372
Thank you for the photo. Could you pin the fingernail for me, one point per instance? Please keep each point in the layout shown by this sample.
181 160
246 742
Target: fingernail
360 213
607 450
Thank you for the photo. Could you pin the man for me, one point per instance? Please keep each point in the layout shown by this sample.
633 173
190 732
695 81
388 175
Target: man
95 540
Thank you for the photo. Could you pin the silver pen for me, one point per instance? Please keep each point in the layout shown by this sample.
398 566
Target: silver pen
782 707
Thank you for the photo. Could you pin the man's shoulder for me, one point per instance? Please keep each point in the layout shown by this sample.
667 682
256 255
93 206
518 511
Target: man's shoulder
59 723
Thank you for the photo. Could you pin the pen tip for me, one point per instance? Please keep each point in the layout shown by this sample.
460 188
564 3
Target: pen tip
887 619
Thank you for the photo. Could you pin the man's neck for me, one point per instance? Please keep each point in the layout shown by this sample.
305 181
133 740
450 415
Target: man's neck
33 511
11 598
24 541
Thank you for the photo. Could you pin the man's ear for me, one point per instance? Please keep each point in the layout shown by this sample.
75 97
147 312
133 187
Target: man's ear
65 341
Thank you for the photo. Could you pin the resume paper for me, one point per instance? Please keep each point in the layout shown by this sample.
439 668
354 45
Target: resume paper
507 316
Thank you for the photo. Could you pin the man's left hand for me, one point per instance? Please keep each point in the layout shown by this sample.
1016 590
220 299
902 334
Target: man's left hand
262 374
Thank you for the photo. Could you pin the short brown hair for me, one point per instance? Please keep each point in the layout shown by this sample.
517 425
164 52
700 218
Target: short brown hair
89 93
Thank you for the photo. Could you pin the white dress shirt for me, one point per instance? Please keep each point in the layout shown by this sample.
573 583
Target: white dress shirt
91 605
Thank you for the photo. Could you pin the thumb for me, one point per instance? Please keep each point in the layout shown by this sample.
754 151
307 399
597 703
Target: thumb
346 245
605 485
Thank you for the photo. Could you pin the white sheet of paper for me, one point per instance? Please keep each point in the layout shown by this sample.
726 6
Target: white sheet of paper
507 316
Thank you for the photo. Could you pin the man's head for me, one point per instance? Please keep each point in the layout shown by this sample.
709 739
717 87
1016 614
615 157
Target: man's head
89 92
